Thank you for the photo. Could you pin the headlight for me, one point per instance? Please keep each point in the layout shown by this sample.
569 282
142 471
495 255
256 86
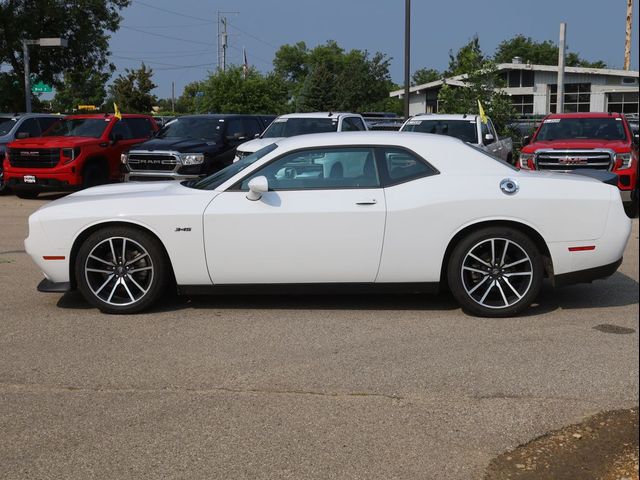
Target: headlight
526 161
623 161
70 154
192 158
124 158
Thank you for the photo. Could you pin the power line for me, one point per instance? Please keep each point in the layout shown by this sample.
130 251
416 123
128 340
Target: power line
201 24
172 65
167 36
254 37
160 56
169 11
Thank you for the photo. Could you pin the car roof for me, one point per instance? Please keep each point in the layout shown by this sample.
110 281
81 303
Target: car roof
108 115
318 115
444 116
585 115
28 115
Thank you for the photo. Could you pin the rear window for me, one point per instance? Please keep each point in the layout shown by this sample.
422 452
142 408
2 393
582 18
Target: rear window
289 127
6 124
582 128
465 130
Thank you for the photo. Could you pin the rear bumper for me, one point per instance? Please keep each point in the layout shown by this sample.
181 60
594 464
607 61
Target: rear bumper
588 275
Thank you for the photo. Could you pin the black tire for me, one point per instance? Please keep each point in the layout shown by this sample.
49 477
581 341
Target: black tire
631 208
94 174
495 291
26 194
150 273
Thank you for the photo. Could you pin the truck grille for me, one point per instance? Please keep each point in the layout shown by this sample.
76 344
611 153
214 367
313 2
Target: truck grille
569 160
158 162
34 157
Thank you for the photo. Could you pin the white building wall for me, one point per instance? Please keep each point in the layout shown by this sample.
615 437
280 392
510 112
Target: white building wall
417 103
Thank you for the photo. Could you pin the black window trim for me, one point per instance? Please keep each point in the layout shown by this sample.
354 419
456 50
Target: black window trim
384 178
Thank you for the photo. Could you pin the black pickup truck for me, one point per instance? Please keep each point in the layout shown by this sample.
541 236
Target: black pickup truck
191 146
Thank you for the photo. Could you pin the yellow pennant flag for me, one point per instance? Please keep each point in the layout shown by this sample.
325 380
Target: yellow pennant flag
116 111
483 116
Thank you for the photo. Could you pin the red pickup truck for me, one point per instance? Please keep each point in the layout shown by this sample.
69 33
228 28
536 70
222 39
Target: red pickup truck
571 141
79 151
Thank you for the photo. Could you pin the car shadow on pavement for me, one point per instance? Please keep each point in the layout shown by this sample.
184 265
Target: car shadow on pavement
618 290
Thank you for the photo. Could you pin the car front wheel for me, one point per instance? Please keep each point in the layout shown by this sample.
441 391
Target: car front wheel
121 270
495 272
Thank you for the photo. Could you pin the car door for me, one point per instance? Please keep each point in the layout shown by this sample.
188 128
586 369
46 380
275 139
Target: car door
322 221
500 150
125 140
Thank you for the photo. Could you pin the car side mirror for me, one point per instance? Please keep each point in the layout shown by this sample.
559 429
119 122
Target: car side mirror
21 135
115 138
257 135
636 139
257 186
489 138
526 140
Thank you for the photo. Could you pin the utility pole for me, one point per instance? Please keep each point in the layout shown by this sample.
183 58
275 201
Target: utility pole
627 43
223 37
561 58
173 98
224 44
407 54
27 75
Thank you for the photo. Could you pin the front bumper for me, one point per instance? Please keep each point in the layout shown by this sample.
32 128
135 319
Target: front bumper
133 176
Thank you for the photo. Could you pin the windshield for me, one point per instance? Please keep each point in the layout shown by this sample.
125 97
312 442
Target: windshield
77 127
6 124
463 129
582 128
289 127
193 127
214 181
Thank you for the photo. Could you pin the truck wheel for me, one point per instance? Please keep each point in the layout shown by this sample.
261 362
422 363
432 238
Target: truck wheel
121 270
631 208
26 194
495 272
94 174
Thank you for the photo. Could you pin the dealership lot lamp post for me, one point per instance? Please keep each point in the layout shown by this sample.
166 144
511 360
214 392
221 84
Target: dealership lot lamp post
43 42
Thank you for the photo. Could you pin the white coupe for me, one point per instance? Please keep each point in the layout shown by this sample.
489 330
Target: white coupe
381 211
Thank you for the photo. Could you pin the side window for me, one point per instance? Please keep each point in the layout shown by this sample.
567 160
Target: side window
121 128
46 122
348 125
484 128
140 127
321 169
492 130
235 129
358 123
251 127
29 128
403 165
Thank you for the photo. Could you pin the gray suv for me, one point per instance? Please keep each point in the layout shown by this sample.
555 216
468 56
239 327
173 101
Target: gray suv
14 126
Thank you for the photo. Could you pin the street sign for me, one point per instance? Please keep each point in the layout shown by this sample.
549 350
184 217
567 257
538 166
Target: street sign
91 108
41 87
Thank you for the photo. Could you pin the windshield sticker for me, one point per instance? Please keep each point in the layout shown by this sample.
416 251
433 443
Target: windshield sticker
618 119
414 122
553 120
221 120
107 119
280 120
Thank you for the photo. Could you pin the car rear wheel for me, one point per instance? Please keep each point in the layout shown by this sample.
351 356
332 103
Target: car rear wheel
26 194
495 272
121 270
94 174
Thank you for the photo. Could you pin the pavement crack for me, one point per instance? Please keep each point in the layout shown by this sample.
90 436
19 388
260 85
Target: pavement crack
7 252
35 388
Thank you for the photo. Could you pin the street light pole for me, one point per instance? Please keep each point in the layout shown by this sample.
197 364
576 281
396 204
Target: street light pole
407 54
43 42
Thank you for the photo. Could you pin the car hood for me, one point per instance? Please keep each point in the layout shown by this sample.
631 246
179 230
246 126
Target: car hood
53 142
571 144
180 144
258 143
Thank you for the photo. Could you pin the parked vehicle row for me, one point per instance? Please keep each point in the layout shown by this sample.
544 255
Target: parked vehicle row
374 211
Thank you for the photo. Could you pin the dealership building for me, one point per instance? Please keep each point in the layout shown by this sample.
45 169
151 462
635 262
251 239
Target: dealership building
533 89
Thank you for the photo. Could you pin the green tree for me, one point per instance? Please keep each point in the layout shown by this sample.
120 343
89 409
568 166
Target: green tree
132 91
80 87
538 53
231 92
319 91
425 75
189 101
467 59
85 24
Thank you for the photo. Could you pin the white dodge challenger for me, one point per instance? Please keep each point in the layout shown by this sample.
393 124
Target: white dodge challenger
381 211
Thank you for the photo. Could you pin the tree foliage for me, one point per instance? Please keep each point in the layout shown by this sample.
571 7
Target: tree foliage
538 53
132 91
85 24
425 75
467 59
80 87
231 92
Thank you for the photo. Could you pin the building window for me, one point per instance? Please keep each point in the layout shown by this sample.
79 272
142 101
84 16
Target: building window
518 78
577 97
626 102
523 104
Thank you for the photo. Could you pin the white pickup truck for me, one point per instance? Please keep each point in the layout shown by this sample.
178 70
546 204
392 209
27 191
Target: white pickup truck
468 128
300 124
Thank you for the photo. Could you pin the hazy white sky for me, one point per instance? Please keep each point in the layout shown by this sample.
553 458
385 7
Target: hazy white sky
181 46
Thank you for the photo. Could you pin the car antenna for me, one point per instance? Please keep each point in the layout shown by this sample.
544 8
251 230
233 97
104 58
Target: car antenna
330 113
464 115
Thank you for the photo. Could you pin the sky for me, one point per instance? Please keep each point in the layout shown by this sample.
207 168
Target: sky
181 47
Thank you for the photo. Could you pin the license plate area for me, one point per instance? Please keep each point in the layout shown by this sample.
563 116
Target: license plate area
29 179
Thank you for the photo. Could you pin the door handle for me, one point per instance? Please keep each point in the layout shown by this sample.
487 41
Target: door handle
373 201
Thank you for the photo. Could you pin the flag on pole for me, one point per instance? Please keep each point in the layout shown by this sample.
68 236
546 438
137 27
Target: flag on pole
116 111
483 117
245 63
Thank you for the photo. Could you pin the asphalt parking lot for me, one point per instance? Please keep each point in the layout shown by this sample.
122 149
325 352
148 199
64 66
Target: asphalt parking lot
296 387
